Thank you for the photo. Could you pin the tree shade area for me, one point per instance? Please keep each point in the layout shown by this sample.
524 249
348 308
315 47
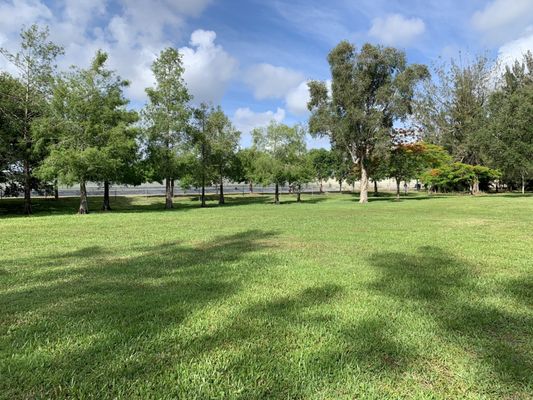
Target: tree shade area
427 298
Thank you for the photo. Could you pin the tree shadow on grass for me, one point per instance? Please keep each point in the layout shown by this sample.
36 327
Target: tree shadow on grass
391 197
104 324
271 353
445 288
69 205
10 208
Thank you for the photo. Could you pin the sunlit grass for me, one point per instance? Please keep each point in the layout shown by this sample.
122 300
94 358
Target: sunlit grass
423 298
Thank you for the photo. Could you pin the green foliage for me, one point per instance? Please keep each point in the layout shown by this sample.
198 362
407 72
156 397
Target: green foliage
408 161
214 142
283 146
88 127
452 108
323 163
11 116
370 90
166 117
223 141
509 135
26 101
458 176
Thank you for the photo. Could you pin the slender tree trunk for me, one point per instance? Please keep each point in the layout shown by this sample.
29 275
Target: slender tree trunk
168 194
251 187
27 188
298 194
397 189
202 196
27 173
56 190
221 195
363 191
353 187
84 206
276 194
340 186
107 204
321 190
375 187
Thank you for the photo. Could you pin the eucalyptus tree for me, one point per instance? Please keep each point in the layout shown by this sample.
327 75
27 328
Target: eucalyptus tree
166 120
92 137
281 145
370 90
36 68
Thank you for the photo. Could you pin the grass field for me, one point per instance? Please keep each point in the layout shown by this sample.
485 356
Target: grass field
423 298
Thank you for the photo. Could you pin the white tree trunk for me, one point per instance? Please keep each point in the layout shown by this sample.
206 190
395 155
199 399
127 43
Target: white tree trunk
363 191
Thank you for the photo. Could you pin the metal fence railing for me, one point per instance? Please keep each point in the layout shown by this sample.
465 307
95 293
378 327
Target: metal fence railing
193 191
229 188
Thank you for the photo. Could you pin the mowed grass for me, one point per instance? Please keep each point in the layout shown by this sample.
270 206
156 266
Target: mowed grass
424 298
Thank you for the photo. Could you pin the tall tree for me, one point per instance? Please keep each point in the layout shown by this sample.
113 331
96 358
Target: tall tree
452 108
35 64
370 90
93 138
224 140
509 135
11 117
166 120
281 143
200 139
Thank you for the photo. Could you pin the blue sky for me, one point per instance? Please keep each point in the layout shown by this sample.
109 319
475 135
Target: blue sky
254 57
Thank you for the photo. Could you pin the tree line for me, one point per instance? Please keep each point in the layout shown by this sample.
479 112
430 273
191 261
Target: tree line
466 130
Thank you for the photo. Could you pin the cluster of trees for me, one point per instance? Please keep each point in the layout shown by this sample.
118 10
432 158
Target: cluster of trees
471 125
75 127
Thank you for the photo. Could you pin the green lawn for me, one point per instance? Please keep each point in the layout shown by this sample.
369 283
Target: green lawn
424 298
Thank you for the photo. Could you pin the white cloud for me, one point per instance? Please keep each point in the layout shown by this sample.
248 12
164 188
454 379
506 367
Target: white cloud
133 36
502 20
514 50
298 98
273 82
16 13
208 67
395 29
245 119
269 81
